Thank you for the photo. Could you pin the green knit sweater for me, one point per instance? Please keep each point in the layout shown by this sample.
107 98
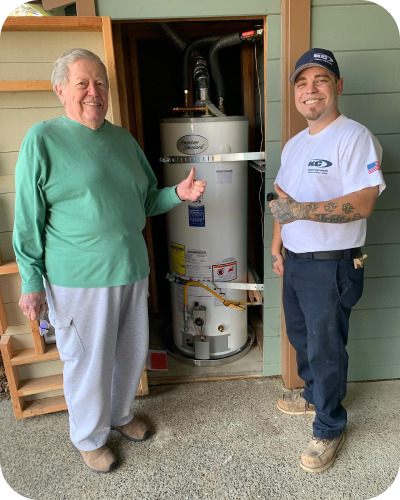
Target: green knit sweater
82 197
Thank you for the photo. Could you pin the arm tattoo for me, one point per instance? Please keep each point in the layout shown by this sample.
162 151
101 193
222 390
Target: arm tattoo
289 210
274 259
337 219
331 207
347 208
312 207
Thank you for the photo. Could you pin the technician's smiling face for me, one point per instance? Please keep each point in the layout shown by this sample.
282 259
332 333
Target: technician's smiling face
316 93
85 96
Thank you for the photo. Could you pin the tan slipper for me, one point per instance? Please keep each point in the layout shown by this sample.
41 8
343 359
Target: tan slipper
135 430
101 460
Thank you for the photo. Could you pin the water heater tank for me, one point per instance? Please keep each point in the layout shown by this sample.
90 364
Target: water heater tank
207 240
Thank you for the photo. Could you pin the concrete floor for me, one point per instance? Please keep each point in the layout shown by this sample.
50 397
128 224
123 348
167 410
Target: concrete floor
213 440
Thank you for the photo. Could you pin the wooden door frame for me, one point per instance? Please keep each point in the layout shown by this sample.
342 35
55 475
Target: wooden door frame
296 39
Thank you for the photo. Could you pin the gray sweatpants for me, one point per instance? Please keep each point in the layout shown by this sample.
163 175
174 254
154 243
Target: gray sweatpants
102 335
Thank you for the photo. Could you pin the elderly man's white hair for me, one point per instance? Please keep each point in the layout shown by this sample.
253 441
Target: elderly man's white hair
61 66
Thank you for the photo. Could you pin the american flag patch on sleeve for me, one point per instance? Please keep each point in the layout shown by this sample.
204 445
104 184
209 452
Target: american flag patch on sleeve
373 167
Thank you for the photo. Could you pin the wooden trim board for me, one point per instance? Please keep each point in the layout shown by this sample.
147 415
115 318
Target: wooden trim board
9 268
26 86
53 23
296 39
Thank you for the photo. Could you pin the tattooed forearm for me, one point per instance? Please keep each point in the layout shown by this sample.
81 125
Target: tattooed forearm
331 207
337 219
312 207
288 210
274 259
347 208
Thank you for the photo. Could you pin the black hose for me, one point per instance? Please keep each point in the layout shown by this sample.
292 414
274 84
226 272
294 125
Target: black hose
173 37
201 42
222 43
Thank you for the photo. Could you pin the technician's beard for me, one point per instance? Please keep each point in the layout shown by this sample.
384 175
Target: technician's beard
313 116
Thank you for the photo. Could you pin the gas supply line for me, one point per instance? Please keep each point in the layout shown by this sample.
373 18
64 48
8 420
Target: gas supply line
227 303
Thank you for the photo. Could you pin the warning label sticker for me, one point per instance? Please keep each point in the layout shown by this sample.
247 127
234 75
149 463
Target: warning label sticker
224 272
178 258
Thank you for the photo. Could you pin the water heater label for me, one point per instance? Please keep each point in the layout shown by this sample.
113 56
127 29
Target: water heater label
192 144
178 258
225 272
197 216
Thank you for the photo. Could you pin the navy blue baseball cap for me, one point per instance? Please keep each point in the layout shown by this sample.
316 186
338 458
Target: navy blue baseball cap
316 57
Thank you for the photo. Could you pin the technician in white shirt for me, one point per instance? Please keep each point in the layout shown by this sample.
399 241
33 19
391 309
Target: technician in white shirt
328 183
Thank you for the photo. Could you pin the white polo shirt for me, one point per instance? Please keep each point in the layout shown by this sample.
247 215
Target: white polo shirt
343 158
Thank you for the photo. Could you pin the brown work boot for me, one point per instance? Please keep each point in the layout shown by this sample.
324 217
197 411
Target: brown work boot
135 430
294 404
320 453
101 460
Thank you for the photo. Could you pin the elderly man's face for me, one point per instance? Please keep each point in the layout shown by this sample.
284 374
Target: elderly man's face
85 96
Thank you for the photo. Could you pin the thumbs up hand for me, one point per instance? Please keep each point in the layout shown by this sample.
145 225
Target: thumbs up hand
190 189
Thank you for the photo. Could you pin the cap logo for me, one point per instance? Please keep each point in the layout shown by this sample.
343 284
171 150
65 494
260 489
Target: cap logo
323 58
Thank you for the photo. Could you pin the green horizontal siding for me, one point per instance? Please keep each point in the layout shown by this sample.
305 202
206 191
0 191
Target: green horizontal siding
365 27
383 227
355 68
390 198
272 369
154 9
374 352
380 293
374 372
273 161
324 3
272 292
383 261
274 37
273 121
378 112
374 324
391 152
272 321
367 50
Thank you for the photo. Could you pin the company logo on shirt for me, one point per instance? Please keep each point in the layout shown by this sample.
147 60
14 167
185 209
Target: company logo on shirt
318 166
320 163
373 167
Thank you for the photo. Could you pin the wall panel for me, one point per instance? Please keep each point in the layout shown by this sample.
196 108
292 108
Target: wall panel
368 54
362 27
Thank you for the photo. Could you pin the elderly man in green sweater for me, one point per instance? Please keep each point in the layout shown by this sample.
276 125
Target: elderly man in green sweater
84 189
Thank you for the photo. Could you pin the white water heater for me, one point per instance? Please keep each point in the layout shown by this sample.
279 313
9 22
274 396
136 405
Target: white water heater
207 240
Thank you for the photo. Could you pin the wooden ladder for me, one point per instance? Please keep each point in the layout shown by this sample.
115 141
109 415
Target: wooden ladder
39 353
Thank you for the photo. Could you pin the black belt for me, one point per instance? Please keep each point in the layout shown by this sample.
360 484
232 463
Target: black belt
355 253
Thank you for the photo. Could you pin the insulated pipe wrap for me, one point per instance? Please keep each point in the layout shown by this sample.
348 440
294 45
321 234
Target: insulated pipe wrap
173 36
222 43
208 40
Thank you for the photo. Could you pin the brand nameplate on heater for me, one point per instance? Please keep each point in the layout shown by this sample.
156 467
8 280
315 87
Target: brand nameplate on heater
192 144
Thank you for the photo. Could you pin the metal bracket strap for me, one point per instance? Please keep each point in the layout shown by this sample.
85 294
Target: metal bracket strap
259 155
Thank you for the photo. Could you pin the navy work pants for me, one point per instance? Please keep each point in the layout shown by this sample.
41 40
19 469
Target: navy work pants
317 298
